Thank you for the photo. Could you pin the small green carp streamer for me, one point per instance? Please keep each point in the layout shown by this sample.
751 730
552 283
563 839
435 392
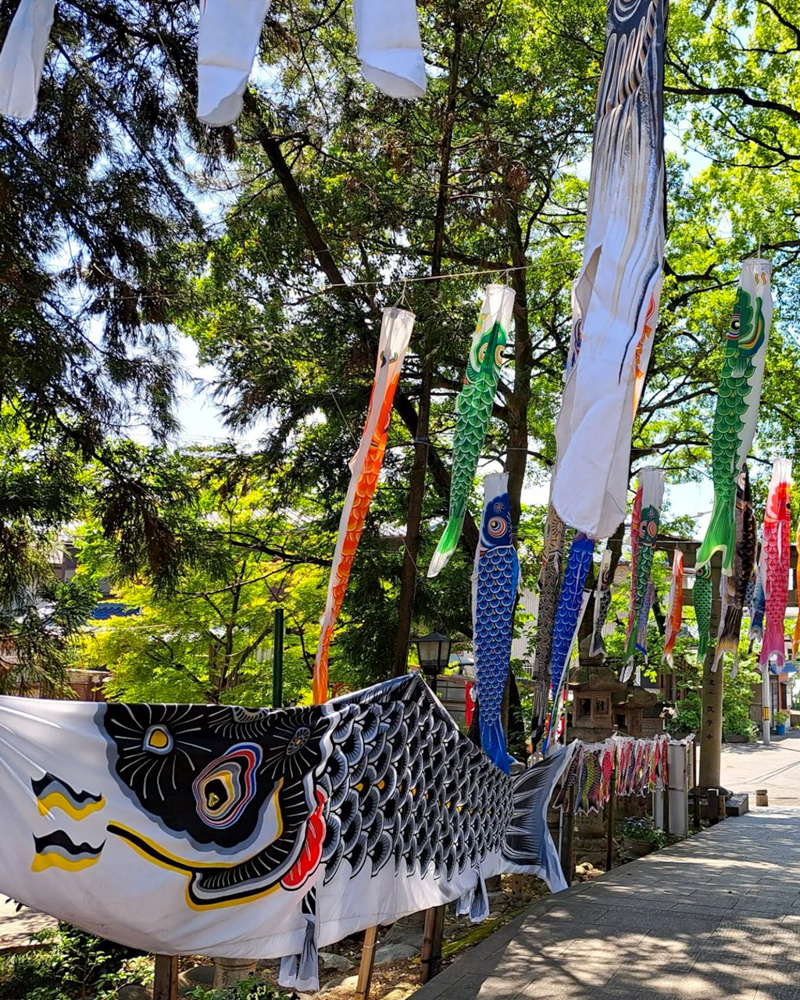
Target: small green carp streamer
702 609
474 411
737 406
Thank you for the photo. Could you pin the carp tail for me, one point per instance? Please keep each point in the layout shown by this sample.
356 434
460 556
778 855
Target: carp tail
729 636
773 643
447 545
493 742
527 844
721 534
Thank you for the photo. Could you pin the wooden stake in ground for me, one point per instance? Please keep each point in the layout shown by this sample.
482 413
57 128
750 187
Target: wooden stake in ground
367 963
165 977
433 937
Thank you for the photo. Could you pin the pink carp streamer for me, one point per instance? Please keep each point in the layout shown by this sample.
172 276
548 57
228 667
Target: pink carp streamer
365 468
675 607
776 541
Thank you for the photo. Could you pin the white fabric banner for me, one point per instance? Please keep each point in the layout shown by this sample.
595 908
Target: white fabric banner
389 46
227 41
616 296
22 58
201 830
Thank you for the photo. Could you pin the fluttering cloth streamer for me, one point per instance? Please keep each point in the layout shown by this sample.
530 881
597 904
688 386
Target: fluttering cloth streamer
650 496
702 598
571 604
549 590
644 617
202 830
776 540
365 468
602 603
796 633
227 41
494 590
22 58
387 33
737 405
616 295
389 46
474 412
674 615
758 604
733 589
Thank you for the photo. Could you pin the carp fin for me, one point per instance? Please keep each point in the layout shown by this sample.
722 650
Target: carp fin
447 546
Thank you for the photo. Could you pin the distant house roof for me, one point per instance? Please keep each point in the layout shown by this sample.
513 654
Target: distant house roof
112 609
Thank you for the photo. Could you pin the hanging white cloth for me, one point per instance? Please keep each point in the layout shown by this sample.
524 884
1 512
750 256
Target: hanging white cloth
22 58
226 48
389 46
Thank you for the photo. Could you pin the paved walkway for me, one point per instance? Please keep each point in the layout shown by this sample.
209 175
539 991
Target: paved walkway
715 916
17 926
748 766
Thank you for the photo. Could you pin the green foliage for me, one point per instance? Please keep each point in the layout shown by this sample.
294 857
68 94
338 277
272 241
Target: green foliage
208 637
644 831
71 965
780 718
248 989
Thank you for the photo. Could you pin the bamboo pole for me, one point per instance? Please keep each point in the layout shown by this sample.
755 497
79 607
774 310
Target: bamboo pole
367 963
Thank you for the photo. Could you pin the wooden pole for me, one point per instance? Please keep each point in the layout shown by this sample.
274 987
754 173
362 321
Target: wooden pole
610 808
566 857
433 938
696 790
165 978
367 963
711 724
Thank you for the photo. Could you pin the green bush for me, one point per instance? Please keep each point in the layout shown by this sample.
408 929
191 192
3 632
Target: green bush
248 989
71 965
643 830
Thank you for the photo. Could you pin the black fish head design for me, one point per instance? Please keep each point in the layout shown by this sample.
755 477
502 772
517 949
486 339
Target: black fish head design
208 775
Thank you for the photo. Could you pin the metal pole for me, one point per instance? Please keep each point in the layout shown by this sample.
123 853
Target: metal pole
766 706
277 661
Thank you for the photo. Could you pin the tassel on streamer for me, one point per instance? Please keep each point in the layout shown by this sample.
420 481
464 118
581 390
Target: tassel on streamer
301 972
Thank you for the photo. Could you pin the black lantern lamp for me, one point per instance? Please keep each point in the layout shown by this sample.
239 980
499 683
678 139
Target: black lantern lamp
433 651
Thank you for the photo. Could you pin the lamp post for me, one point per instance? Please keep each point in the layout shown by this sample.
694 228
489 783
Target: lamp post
433 651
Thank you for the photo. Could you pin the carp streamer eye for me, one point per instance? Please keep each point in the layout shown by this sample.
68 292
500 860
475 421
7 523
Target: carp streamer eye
498 355
223 789
298 741
497 526
158 740
736 324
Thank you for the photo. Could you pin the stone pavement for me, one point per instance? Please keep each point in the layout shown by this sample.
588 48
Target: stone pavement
715 916
16 928
748 766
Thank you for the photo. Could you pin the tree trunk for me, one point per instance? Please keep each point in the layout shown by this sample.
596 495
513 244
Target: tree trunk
518 405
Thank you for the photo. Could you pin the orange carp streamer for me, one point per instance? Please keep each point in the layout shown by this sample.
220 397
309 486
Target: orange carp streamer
365 468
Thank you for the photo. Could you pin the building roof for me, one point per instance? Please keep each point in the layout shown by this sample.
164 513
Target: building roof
112 609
